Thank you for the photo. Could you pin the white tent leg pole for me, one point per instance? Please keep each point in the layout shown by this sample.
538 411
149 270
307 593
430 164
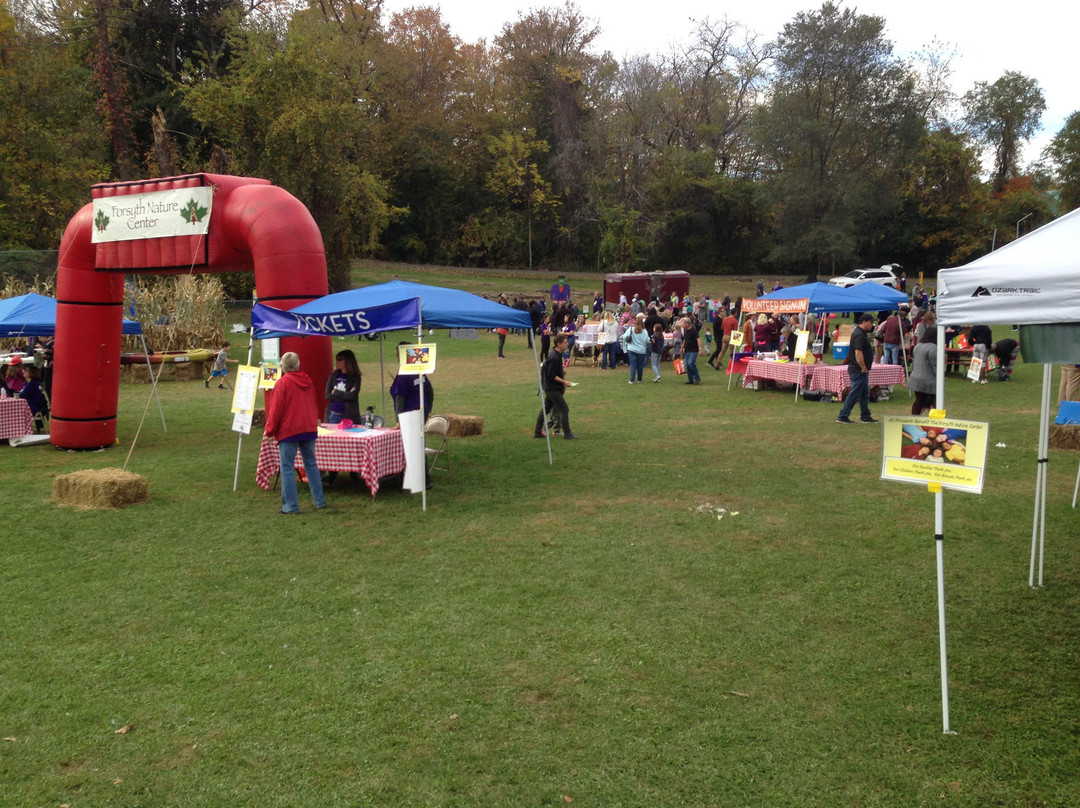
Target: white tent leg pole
153 381
1038 530
1076 488
382 373
1048 375
419 339
1035 525
939 541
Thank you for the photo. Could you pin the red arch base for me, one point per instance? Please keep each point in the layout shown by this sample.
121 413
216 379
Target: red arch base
253 226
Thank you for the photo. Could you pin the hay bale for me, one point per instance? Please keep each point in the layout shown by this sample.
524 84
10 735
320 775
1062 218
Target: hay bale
100 488
167 372
462 426
1065 436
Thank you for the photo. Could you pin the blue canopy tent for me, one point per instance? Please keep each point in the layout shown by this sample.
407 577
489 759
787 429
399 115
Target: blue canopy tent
391 306
821 297
34 315
875 297
388 306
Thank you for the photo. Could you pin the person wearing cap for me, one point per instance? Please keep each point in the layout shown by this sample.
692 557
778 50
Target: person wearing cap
16 376
292 417
859 361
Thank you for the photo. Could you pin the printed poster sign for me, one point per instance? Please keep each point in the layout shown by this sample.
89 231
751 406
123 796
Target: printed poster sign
416 359
736 340
247 387
156 214
242 423
271 350
801 343
975 369
924 451
269 373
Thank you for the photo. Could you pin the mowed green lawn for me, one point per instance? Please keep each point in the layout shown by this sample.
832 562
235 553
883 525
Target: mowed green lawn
596 632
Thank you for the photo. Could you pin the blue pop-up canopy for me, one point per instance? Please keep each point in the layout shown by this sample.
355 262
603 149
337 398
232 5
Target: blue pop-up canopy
389 307
821 297
34 315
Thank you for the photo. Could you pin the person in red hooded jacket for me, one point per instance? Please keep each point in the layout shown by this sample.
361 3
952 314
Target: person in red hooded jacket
292 417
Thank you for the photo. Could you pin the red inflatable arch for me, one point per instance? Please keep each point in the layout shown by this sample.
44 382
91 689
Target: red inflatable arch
253 225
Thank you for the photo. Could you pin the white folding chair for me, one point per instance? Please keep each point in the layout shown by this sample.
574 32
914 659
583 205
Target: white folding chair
438 426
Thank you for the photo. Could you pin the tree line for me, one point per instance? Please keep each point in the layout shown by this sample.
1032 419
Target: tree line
814 152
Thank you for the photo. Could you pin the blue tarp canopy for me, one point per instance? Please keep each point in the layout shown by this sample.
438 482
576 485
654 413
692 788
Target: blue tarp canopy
34 315
439 307
821 297
875 297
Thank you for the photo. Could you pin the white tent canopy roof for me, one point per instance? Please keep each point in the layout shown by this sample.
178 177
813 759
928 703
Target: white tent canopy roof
1033 280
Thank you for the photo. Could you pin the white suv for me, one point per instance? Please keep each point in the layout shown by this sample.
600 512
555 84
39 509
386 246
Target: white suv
886 276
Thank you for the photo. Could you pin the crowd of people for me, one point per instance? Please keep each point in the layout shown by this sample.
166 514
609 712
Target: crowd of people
639 333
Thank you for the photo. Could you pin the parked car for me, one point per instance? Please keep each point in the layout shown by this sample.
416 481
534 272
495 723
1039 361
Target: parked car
886 276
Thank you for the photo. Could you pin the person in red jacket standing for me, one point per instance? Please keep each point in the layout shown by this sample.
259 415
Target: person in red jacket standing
292 417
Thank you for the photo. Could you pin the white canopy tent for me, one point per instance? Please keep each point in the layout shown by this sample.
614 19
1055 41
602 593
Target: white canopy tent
1033 282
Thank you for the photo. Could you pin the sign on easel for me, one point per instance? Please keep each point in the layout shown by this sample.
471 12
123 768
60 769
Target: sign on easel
928 451
802 341
243 403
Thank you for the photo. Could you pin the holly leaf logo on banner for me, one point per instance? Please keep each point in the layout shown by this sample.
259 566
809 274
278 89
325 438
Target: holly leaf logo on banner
101 221
193 212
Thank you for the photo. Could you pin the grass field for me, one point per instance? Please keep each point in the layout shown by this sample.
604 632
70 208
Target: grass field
589 632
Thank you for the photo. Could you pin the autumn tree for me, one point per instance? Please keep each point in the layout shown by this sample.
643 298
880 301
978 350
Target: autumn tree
419 71
1003 116
515 179
943 216
1063 153
302 108
842 118
550 78
677 140
52 147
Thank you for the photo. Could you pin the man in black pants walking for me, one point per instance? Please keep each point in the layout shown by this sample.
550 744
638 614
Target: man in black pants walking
554 383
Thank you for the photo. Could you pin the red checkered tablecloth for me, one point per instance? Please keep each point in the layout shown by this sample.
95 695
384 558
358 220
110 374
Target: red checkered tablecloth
834 378
374 453
785 372
15 418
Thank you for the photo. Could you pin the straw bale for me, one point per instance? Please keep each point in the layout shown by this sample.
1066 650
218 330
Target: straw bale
1065 436
100 488
462 426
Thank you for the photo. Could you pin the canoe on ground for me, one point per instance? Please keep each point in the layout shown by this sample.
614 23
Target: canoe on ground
162 357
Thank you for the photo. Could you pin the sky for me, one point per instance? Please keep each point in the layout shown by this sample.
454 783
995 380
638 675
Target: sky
1032 38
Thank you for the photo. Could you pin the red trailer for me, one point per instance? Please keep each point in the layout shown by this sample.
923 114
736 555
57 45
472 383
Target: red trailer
646 285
